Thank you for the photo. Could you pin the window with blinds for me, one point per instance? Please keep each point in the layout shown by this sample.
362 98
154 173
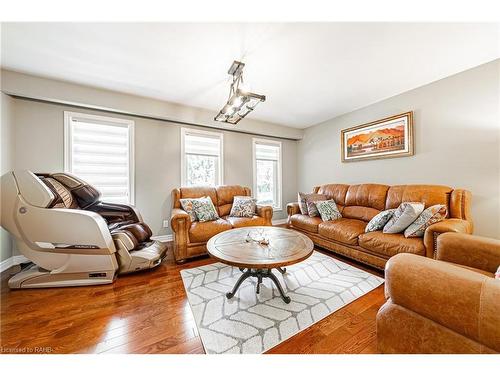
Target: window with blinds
99 150
201 158
267 172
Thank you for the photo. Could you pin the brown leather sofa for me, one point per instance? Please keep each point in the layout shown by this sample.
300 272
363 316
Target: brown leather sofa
358 204
190 238
448 305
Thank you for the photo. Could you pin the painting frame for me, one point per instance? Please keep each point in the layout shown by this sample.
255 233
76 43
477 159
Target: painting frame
348 153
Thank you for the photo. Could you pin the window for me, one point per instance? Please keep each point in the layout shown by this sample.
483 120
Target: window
201 158
100 150
267 172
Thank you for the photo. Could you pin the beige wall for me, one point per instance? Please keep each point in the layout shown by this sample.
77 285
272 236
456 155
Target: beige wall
457 135
6 109
38 146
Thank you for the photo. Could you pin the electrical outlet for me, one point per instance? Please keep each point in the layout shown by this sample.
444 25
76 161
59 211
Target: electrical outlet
165 223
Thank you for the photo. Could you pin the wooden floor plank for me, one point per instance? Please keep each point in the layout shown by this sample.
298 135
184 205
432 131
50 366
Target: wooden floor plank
148 312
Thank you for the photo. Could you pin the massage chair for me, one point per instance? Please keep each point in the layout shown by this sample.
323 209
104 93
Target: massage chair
72 238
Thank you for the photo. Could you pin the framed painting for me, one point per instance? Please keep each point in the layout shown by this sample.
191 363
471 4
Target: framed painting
390 137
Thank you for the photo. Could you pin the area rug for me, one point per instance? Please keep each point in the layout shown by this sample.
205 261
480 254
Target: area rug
254 323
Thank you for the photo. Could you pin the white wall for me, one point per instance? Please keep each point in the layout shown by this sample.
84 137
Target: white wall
6 109
38 146
457 141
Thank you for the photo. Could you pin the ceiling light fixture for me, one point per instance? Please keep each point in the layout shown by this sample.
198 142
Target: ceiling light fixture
240 102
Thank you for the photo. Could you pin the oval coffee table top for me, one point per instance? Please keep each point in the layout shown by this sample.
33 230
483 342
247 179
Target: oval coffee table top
285 247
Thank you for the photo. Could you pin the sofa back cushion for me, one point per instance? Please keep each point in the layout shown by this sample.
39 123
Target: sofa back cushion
193 192
429 195
336 192
225 197
364 201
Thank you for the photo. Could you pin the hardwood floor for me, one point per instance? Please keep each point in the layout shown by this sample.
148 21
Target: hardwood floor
148 312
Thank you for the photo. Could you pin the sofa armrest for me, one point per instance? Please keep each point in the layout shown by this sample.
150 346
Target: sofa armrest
462 300
468 250
266 212
179 220
449 225
292 209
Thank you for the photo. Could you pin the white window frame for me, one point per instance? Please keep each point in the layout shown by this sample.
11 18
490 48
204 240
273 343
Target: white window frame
104 120
187 131
256 141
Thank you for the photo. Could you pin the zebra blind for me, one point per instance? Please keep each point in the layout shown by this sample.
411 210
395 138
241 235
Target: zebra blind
100 151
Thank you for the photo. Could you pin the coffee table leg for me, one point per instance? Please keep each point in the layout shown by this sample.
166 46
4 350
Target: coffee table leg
285 298
242 278
281 270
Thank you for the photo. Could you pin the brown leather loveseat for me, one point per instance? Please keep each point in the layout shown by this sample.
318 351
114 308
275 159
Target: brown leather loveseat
190 238
358 204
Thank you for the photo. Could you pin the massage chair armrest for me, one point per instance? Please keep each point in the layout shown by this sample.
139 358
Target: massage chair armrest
266 212
114 212
66 227
292 209
462 300
449 225
472 251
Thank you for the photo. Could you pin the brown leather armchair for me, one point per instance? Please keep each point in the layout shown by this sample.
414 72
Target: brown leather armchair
447 305
190 238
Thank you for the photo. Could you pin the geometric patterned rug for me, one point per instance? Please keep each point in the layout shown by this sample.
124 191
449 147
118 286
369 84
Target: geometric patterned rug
254 323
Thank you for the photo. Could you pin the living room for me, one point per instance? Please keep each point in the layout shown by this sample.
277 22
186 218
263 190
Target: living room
171 187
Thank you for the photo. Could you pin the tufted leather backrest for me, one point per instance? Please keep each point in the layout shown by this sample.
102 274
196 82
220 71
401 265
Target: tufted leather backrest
226 194
429 195
364 201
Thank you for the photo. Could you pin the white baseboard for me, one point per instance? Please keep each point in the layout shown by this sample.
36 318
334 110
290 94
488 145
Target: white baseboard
163 238
280 221
12 261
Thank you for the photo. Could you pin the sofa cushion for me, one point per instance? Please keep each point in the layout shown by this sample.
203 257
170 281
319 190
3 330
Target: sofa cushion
238 222
404 215
311 199
243 207
431 215
203 231
328 210
205 209
387 244
367 195
378 221
305 222
337 192
225 197
429 195
342 230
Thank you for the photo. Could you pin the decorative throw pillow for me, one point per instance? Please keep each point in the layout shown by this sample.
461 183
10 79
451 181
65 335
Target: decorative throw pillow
311 205
429 216
379 220
243 207
204 209
328 210
497 274
405 214
301 198
187 205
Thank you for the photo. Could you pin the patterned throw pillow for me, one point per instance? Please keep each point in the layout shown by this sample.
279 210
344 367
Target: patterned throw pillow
429 216
328 210
243 207
204 209
187 205
405 214
379 220
301 198
311 205
497 274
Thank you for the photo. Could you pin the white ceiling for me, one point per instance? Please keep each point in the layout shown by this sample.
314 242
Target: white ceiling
310 72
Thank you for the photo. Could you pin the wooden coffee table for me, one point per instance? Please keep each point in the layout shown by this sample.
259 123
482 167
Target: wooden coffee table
241 248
